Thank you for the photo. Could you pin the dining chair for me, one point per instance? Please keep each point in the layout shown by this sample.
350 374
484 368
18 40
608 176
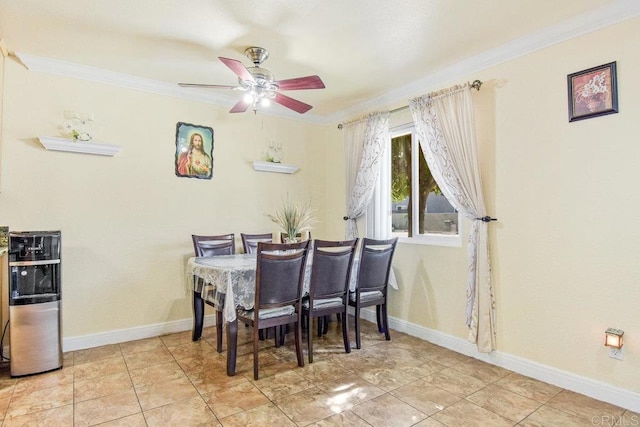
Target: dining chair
329 286
223 244
372 282
285 236
250 241
278 294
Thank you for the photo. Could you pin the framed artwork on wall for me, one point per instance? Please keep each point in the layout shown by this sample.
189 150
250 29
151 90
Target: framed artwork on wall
593 92
194 151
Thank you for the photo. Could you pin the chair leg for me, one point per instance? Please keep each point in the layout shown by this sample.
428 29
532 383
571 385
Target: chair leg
345 334
386 322
309 323
198 316
379 319
255 353
357 327
325 324
298 332
277 332
320 321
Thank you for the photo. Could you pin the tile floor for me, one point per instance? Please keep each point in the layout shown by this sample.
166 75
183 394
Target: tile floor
172 381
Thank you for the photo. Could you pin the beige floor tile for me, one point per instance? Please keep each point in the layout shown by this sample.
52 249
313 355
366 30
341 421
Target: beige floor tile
584 407
429 422
230 400
99 387
143 359
96 353
281 385
99 368
46 380
107 408
387 378
485 372
144 345
548 416
528 387
343 419
207 381
178 338
28 401
323 371
60 416
447 357
265 415
466 414
193 349
510 405
190 412
307 406
135 420
346 392
425 397
156 373
388 410
630 419
455 382
163 393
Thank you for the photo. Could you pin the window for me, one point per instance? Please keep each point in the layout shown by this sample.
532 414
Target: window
408 194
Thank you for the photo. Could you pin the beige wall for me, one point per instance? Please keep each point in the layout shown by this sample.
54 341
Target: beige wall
565 250
127 220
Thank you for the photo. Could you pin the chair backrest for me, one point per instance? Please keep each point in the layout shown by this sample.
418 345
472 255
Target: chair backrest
375 264
224 244
284 236
250 241
280 273
331 268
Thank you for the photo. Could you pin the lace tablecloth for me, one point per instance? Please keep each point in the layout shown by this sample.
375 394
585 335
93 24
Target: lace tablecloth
229 281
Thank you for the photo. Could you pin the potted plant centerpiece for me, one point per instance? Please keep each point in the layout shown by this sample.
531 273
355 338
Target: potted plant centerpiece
293 218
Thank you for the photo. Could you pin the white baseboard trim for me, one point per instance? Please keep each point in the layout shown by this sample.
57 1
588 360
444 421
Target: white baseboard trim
596 389
131 334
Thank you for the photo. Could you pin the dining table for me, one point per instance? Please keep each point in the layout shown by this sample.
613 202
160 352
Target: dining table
228 282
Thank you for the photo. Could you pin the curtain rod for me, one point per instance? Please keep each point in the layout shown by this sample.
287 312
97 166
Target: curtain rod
475 85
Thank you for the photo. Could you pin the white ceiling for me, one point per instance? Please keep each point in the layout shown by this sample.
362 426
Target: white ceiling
369 53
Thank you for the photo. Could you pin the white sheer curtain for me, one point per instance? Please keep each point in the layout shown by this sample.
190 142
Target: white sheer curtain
445 125
365 141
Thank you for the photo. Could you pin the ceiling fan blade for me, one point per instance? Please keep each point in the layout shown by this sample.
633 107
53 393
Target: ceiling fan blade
238 68
208 86
291 103
240 107
309 82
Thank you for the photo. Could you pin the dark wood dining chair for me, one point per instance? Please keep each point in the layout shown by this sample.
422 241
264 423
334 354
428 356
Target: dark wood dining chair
223 244
372 283
250 241
278 296
329 286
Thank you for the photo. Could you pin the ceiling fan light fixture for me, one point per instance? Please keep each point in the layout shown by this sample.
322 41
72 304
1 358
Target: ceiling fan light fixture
265 102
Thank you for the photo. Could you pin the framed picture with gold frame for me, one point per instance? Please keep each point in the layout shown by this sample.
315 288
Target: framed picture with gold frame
194 151
593 92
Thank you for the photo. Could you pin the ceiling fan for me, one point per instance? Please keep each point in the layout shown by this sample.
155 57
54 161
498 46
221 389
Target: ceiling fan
260 86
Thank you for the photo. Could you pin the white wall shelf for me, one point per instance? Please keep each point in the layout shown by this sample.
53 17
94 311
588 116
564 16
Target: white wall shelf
62 144
274 167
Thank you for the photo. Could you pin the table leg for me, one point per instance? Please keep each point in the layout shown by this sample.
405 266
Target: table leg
219 331
232 346
198 316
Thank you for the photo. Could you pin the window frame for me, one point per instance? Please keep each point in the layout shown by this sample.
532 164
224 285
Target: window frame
381 200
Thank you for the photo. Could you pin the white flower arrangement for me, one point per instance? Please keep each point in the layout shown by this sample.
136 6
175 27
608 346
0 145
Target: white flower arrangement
596 85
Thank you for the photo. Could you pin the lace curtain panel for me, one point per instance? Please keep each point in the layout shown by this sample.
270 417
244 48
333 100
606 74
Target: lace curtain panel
445 125
365 141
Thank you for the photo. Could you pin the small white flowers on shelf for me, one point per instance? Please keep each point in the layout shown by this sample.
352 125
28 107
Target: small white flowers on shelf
78 126
274 152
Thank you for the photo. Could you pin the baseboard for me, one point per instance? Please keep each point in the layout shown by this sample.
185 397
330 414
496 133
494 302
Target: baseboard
596 389
131 334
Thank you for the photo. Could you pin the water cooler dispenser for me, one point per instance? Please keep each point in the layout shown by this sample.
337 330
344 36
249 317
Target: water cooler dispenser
35 331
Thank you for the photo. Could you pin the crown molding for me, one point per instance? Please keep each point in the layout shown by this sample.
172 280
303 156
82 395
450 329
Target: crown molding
597 19
619 11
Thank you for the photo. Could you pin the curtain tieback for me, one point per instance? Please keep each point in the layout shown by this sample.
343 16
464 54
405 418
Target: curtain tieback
487 219
346 218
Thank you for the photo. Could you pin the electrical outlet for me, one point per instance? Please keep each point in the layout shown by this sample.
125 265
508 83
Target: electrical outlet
615 353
